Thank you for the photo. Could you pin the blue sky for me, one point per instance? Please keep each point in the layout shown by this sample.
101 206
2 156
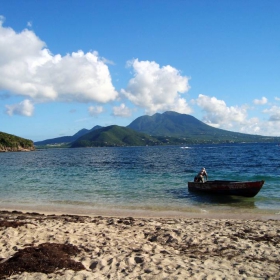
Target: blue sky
68 65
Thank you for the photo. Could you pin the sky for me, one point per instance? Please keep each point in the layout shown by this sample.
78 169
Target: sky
72 64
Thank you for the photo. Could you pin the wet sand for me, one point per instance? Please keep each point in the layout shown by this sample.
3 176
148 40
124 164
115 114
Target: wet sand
48 246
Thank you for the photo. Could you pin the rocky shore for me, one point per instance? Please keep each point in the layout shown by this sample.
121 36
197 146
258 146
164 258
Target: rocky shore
16 149
12 143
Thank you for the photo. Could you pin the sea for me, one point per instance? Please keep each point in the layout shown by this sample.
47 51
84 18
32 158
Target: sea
144 180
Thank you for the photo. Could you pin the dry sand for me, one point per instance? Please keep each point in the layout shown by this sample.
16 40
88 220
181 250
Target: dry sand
37 246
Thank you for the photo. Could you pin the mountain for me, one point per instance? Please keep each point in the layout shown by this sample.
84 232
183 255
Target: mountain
12 143
169 124
187 127
169 128
66 139
112 136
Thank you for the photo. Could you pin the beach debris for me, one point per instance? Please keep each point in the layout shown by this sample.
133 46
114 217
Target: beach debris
13 224
139 259
93 265
45 258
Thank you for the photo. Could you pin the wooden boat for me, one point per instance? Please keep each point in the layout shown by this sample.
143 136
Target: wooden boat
219 187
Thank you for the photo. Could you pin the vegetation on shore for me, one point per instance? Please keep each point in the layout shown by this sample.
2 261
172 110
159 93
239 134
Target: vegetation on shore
12 143
112 136
169 128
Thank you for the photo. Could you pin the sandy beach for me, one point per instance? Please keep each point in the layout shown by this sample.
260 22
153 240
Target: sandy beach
47 246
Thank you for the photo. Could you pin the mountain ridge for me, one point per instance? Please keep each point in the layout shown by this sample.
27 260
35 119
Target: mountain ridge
114 135
185 126
178 128
66 139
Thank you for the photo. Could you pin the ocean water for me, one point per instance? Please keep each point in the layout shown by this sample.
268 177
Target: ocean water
139 178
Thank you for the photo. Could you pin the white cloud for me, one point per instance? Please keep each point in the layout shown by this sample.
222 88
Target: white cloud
271 128
261 101
122 111
274 113
24 108
28 68
234 118
157 88
95 110
218 114
251 126
277 98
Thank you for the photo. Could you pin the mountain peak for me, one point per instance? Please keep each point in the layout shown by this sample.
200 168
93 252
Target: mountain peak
168 124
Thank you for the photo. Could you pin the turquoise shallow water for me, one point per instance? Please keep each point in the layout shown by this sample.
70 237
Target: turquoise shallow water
139 178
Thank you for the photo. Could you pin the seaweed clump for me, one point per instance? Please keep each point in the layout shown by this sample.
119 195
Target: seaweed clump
45 258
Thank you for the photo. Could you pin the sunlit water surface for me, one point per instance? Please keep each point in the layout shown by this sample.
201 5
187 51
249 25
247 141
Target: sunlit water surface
139 178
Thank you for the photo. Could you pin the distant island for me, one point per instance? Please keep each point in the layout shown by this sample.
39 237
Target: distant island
12 143
169 128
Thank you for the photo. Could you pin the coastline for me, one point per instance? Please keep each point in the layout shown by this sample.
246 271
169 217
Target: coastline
131 246
242 214
8 149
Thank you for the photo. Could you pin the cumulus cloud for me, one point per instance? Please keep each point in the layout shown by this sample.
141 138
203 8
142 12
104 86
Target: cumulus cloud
24 108
122 111
274 113
251 126
29 69
95 110
218 114
157 88
261 101
277 98
235 118
270 127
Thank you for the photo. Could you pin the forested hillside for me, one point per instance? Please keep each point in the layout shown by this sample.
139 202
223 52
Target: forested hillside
12 143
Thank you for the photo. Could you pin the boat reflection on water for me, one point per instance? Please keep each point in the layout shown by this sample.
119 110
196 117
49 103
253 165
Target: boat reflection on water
214 200
207 200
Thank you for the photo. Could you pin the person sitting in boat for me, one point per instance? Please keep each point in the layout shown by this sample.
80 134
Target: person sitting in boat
202 176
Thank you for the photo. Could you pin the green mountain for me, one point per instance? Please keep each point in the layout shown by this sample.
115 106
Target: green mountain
114 136
12 143
169 124
169 128
191 130
65 140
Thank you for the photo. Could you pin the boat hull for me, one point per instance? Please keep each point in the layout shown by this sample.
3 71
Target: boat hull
246 189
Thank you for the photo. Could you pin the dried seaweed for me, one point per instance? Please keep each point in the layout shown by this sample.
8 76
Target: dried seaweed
45 258
13 224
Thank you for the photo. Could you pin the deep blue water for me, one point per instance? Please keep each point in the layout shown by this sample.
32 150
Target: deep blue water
139 178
